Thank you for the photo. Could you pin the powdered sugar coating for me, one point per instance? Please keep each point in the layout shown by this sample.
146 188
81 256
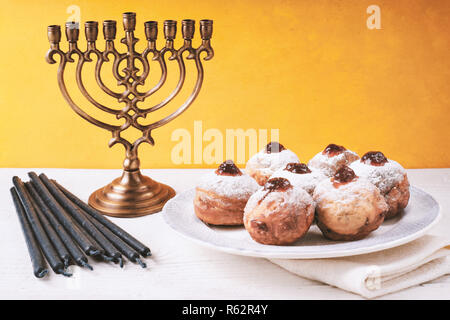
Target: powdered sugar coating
329 165
306 181
292 197
268 163
385 177
239 187
344 195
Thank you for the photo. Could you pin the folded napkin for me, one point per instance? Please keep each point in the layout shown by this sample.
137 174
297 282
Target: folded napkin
379 273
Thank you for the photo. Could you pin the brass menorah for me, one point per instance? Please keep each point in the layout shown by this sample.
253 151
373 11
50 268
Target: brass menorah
132 194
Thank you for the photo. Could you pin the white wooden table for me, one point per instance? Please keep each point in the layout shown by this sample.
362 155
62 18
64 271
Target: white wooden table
178 269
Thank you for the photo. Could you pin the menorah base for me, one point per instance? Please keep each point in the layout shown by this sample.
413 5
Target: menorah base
132 195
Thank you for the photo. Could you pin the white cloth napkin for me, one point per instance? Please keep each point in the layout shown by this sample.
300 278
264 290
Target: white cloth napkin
379 273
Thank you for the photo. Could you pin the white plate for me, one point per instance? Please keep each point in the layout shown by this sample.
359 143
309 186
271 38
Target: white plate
420 215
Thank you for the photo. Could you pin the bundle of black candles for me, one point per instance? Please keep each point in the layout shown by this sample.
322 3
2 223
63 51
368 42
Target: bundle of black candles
65 230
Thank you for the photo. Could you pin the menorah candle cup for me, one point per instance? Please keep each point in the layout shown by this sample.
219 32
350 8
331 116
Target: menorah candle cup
151 34
109 30
188 29
132 194
129 21
72 31
54 34
170 29
151 30
206 29
91 31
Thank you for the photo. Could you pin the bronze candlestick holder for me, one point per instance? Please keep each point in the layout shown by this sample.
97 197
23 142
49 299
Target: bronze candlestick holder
132 194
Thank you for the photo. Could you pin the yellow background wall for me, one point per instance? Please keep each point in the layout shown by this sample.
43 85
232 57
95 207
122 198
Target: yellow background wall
310 68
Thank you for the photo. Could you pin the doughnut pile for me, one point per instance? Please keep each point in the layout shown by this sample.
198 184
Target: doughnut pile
277 198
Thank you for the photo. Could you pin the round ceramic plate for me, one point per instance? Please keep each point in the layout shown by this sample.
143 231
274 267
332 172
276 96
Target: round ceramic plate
420 215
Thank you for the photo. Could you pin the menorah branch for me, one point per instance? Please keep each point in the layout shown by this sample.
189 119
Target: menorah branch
79 71
178 87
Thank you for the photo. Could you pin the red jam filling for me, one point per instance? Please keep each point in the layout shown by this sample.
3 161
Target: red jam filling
342 176
299 168
275 184
228 168
274 147
333 150
375 158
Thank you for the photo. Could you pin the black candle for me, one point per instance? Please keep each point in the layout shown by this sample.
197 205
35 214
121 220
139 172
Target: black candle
37 260
78 216
63 217
47 248
125 236
51 233
129 252
100 251
77 255
53 237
